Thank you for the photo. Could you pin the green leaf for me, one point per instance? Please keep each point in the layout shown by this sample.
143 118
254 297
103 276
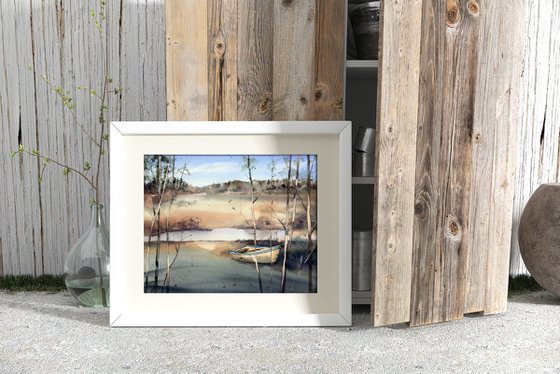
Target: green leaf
87 166
106 137
66 171
13 153
35 152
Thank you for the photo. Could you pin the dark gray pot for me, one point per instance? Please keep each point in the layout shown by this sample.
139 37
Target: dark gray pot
539 236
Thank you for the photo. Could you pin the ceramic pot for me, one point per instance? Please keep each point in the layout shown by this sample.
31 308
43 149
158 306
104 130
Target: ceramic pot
539 236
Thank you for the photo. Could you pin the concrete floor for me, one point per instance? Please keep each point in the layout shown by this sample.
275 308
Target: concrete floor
47 333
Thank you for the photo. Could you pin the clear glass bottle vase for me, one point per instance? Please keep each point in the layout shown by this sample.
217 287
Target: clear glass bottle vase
87 267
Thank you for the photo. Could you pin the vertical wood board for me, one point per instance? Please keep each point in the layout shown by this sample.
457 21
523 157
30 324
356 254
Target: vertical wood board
498 104
330 58
441 240
255 58
293 73
187 59
395 165
222 60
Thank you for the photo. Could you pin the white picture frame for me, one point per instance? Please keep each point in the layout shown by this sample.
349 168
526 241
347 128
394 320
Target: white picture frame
329 306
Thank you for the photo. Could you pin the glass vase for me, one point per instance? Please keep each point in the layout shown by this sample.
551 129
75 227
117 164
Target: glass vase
87 267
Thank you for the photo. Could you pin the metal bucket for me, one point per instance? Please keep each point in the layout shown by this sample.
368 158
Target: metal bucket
363 164
365 24
365 140
361 260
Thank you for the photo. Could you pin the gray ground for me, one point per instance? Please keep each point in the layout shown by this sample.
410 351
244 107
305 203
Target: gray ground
48 333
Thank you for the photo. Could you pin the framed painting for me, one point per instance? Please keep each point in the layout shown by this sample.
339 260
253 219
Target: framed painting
230 223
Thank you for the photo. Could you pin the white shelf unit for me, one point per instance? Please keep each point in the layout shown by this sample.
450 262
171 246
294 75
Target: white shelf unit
361 69
363 180
361 104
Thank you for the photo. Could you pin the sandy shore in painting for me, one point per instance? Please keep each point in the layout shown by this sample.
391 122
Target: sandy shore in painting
202 212
206 267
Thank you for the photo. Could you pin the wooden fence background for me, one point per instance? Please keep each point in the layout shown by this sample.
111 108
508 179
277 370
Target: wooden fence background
539 130
56 38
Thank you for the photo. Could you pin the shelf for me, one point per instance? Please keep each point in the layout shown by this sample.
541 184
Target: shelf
361 297
363 180
363 64
362 69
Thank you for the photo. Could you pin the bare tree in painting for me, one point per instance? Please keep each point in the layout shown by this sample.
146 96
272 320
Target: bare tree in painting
175 186
160 173
286 225
309 225
250 165
162 169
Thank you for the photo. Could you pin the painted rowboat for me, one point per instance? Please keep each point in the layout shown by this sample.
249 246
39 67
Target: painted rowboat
260 254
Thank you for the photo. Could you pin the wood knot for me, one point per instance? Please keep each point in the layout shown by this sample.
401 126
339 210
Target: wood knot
287 3
418 209
219 46
473 7
265 104
337 105
453 228
303 100
318 94
477 138
453 13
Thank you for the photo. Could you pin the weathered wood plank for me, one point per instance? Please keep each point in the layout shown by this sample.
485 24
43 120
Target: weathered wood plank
187 59
222 60
57 39
396 153
441 241
52 137
22 249
255 59
330 58
498 109
538 147
294 46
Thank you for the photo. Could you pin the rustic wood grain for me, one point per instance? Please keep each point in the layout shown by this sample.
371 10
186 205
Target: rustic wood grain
449 62
57 38
293 74
330 58
396 153
538 147
497 108
255 59
21 231
222 60
187 59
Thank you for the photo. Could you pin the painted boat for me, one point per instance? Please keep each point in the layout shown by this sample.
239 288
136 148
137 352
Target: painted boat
260 254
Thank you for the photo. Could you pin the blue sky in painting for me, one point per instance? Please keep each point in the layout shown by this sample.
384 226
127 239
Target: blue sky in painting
205 170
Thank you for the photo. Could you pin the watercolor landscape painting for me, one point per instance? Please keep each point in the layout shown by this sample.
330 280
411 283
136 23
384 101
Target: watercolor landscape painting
230 224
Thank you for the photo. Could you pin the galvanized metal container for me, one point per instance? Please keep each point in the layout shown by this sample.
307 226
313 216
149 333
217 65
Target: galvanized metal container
363 164
361 260
365 24
365 140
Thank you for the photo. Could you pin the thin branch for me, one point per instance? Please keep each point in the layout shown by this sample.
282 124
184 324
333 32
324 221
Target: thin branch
49 159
